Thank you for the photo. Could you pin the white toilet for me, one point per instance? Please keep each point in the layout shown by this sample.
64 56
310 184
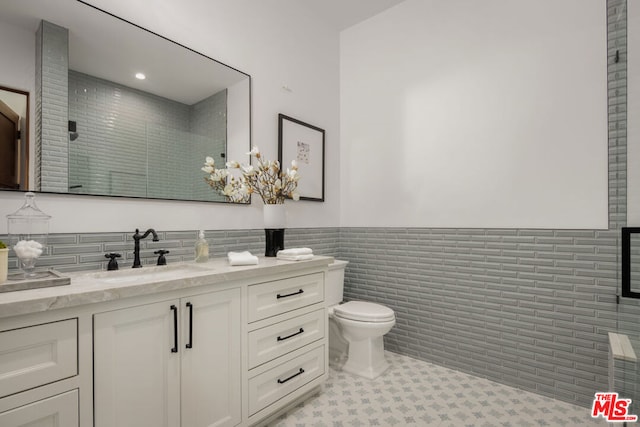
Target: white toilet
356 329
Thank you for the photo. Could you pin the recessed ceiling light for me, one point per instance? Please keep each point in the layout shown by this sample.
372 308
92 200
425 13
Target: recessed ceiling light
140 76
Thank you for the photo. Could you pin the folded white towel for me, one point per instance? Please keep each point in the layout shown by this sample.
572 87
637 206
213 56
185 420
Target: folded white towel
242 258
295 251
294 257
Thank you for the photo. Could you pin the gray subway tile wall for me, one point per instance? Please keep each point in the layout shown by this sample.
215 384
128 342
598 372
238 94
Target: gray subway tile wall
529 308
85 252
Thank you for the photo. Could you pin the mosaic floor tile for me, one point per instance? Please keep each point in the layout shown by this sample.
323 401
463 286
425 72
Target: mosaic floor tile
416 393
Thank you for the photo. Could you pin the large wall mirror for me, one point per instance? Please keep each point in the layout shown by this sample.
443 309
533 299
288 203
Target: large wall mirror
124 111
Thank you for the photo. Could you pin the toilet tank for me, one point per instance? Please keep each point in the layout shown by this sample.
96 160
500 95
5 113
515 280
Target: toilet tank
334 285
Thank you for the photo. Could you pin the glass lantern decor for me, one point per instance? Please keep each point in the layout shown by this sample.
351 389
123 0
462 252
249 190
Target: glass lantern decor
28 229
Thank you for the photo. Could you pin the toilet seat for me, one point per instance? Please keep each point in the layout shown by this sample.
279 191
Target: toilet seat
362 311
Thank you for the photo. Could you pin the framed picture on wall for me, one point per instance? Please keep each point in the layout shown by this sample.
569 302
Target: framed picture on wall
303 143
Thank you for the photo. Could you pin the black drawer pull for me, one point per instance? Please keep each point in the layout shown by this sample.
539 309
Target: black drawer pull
175 329
290 336
289 295
301 371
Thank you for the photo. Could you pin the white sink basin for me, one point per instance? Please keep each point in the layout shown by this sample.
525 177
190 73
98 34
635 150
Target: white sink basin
147 274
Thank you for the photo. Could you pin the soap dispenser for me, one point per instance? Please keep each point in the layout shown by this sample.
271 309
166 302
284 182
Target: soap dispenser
202 248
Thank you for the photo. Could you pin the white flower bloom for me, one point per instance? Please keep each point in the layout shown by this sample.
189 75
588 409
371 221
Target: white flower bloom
220 175
248 169
293 175
228 190
266 178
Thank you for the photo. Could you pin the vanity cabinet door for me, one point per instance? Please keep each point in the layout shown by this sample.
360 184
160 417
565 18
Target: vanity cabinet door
211 369
137 366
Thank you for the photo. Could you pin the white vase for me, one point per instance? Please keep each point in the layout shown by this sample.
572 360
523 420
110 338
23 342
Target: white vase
275 216
4 264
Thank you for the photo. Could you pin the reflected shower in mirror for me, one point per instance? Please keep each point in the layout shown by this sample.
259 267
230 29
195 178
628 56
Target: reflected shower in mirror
139 112
147 147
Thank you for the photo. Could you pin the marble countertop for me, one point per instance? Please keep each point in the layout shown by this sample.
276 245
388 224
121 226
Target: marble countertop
102 286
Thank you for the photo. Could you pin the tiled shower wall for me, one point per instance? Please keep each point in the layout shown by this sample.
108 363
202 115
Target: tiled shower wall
133 143
528 308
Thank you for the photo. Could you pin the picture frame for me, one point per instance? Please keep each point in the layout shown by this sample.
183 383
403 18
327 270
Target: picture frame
303 143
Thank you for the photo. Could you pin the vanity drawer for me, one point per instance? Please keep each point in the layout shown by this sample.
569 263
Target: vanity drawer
38 355
273 341
268 387
60 410
273 298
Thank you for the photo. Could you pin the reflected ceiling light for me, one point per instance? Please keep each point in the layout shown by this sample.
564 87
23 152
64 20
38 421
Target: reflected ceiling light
140 76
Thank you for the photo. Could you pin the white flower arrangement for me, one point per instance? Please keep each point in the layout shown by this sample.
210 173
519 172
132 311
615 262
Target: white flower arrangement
265 179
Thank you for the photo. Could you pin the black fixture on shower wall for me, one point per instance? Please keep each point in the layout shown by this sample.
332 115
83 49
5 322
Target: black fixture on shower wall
626 261
73 134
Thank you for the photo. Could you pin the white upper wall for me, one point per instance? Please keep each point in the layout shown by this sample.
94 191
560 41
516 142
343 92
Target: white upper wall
476 114
275 41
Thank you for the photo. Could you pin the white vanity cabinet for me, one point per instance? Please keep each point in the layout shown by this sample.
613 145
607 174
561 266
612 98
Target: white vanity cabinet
206 345
169 363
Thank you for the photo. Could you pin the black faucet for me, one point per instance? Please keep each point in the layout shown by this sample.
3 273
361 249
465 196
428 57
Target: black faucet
136 247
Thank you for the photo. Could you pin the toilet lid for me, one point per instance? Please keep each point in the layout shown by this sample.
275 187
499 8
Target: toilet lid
364 312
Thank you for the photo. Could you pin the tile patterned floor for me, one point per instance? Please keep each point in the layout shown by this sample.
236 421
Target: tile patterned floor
417 393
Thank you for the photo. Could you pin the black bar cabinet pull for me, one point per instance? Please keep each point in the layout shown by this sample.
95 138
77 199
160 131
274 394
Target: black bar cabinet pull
289 295
301 371
190 343
290 336
175 329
